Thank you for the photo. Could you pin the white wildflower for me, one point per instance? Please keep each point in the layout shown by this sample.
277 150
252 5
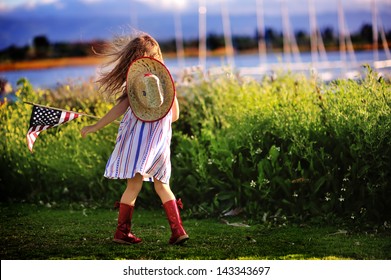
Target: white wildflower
253 184
258 151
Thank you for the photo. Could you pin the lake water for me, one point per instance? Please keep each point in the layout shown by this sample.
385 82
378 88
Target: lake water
49 78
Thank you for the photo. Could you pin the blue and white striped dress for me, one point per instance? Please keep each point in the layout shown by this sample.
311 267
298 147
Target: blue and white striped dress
141 147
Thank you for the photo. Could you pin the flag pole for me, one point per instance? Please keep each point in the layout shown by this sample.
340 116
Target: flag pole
53 108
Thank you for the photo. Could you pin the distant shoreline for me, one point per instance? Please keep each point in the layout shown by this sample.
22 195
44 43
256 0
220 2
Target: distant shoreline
46 63
37 64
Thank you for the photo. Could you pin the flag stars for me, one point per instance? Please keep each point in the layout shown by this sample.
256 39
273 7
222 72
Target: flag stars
46 117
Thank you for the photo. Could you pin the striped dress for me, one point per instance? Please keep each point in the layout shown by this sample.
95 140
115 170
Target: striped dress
141 147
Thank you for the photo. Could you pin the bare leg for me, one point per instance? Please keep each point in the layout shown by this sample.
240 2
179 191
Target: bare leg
163 191
132 190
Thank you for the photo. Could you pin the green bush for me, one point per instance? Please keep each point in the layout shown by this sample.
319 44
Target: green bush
292 147
284 148
63 166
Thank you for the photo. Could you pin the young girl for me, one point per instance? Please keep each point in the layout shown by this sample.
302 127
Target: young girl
142 150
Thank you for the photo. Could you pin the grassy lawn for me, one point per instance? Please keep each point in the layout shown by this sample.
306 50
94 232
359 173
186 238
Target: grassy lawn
38 232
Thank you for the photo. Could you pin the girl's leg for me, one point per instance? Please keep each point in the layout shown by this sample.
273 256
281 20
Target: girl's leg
123 233
170 205
163 191
133 187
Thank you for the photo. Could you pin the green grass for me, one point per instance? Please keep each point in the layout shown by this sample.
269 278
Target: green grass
39 232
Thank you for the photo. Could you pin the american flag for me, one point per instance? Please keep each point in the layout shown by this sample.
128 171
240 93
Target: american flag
43 118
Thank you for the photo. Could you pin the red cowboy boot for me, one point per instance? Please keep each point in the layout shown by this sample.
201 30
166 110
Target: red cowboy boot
123 234
178 235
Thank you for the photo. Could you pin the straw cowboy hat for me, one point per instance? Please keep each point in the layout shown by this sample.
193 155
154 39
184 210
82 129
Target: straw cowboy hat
150 88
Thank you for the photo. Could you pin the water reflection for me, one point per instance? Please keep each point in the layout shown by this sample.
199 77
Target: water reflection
50 78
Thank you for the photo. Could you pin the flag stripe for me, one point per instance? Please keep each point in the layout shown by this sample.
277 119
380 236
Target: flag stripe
43 118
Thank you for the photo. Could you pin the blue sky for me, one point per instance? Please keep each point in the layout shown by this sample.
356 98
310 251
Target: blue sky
66 7
235 6
99 19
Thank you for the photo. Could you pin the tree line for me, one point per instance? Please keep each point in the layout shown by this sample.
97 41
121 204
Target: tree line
41 47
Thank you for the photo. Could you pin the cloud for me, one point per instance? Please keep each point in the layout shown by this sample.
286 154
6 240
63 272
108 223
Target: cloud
90 1
46 2
167 4
11 5
147 8
270 7
235 7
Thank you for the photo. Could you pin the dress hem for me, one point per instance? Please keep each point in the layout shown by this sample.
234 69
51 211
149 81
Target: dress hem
146 178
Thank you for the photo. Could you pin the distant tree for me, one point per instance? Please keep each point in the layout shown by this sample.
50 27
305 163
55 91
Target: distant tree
191 43
259 35
215 41
366 33
168 45
244 43
14 53
70 50
328 36
272 38
41 46
270 34
302 38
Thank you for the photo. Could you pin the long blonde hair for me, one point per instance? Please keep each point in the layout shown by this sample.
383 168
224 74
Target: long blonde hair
121 52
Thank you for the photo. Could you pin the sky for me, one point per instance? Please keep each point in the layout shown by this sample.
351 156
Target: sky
67 20
66 7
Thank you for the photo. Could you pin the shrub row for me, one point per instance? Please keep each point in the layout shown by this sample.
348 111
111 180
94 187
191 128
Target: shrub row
287 147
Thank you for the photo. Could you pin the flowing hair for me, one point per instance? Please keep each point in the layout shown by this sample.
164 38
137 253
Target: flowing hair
120 53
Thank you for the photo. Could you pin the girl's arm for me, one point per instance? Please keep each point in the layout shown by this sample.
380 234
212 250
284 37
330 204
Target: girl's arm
118 110
175 110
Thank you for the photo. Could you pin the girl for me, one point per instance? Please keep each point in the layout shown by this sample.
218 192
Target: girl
142 150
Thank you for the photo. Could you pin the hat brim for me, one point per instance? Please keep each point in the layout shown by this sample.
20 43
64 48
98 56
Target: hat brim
138 68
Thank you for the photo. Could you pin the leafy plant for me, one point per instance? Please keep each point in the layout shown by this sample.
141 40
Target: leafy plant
286 148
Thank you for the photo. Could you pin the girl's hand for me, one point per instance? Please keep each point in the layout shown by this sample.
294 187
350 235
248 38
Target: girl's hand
87 129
